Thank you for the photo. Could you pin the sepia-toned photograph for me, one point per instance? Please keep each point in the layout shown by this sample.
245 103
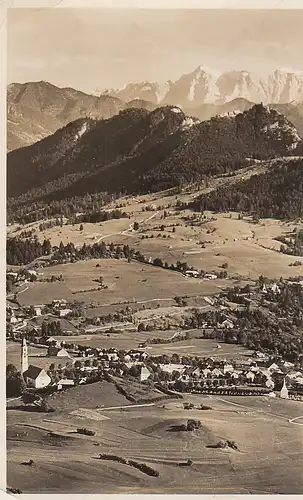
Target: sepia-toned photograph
154 251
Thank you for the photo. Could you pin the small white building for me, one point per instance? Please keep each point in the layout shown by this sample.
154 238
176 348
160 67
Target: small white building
57 352
37 310
59 302
36 377
171 367
65 382
216 373
270 383
64 312
32 272
227 323
13 318
250 376
192 274
275 288
211 276
144 374
228 368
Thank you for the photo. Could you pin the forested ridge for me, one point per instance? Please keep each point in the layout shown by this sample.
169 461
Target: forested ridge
276 193
138 151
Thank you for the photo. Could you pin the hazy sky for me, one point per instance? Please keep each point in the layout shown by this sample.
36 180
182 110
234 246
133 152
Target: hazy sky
92 49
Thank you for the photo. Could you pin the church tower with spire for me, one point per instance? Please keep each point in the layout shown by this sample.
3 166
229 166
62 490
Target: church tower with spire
24 356
284 391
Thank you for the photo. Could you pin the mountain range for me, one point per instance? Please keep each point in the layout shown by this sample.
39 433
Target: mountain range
37 109
207 86
138 151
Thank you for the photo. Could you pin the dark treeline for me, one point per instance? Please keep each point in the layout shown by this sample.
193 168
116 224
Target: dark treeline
23 211
277 193
293 244
20 252
101 216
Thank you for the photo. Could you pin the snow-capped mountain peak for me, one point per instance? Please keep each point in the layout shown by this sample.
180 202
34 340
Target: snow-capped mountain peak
205 85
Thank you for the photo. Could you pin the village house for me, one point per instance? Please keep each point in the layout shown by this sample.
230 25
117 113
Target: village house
250 376
144 374
36 377
206 372
216 373
273 367
58 303
227 323
37 310
13 318
65 382
275 289
171 367
57 352
32 272
64 312
228 368
269 384
49 341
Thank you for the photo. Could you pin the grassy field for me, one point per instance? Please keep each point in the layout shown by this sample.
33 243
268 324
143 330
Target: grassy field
191 347
127 282
269 459
122 340
202 348
249 249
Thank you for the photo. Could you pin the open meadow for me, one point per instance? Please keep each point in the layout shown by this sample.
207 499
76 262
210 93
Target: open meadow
268 459
126 282
203 241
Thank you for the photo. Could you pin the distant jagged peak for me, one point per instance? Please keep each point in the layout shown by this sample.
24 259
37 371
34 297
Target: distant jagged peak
204 69
289 71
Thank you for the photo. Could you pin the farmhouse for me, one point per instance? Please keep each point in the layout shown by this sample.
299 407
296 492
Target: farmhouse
49 341
36 377
59 353
192 274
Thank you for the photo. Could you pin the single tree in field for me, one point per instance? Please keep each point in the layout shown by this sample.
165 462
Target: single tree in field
136 226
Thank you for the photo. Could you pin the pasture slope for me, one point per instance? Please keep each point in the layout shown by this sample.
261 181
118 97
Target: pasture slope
269 459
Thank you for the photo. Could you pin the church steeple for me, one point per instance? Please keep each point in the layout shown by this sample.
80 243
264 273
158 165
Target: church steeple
24 356
284 391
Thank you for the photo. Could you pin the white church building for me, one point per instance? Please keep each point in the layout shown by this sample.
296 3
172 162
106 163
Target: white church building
33 376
